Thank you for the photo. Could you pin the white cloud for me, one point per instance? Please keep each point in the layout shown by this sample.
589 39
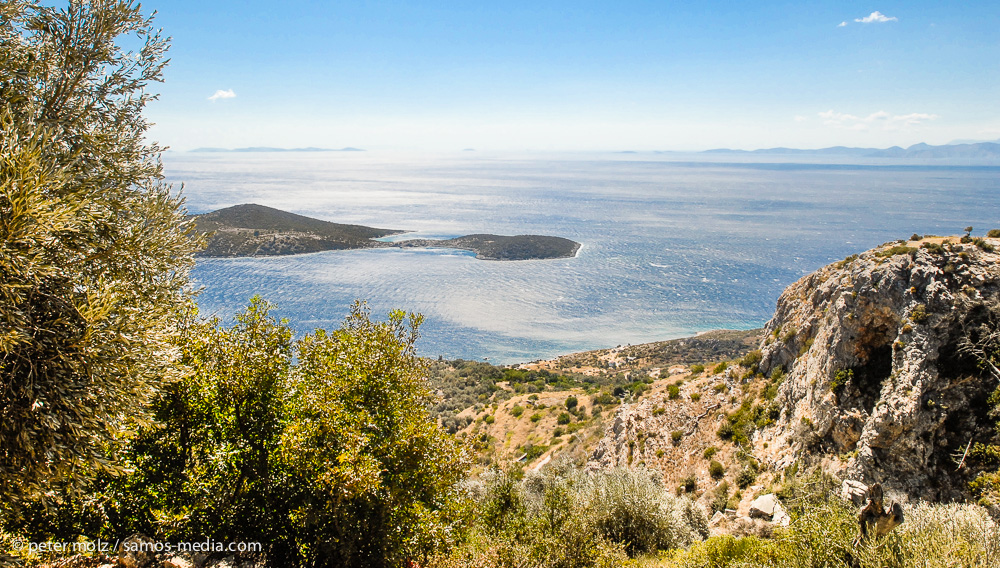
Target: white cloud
880 119
876 16
842 24
800 118
220 94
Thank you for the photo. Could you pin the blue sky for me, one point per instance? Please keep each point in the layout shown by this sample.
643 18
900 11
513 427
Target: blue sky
583 75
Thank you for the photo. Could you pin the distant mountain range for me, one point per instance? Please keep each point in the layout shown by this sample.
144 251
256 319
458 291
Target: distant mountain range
269 149
977 150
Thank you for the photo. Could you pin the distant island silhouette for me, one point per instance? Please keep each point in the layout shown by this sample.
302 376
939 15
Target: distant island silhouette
256 230
974 150
270 149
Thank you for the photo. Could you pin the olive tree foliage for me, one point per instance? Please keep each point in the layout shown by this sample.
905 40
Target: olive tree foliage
94 247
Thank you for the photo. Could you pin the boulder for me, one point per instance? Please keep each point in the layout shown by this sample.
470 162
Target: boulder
765 506
178 561
137 551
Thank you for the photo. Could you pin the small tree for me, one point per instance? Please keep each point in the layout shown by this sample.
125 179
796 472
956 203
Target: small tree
374 470
210 468
95 249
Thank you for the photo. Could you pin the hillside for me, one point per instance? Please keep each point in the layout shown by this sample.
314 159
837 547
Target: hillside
507 413
256 230
877 368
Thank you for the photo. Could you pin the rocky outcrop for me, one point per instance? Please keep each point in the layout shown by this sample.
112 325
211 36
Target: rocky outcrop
882 370
875 367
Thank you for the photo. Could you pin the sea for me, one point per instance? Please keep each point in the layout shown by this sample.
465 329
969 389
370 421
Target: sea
673 244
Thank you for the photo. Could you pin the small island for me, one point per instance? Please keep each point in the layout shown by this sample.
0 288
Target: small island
256 230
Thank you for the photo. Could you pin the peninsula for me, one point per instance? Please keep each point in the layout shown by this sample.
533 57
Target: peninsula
257 230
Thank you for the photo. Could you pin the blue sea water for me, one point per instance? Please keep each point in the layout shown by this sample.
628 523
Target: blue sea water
672 244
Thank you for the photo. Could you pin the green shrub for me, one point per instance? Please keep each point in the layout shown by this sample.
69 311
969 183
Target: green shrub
725 431
993 234
840 380
709 452
716 469
563 418
933 248
689 484
676 436
697 368
536 417
516 411
489 419
571 402
606 399
746 477
751 360
983 245
720 367
673 392
897 250
695 397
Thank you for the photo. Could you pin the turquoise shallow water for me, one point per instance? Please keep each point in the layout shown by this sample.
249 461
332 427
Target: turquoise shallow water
672 245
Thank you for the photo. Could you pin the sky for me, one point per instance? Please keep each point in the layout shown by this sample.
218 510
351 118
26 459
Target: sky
554 75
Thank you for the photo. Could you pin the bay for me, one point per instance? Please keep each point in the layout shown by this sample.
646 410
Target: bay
673 244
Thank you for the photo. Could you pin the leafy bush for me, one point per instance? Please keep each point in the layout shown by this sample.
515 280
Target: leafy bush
689 484
716 470
720 367
697 369
993 234
840 380
673 392
516 411
562 517
676 436
709 452
630 506
695 397
536 417
606 399
563 418
897 250
751 360
571 402
983 245
746 477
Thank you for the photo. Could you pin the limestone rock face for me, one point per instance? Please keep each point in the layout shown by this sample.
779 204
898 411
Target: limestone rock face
881 370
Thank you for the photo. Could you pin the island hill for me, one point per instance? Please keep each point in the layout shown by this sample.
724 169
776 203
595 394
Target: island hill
256 230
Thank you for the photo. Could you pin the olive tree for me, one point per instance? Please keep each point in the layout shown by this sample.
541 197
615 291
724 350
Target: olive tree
94 247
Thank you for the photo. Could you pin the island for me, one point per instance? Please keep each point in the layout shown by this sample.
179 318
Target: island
256 230
499 247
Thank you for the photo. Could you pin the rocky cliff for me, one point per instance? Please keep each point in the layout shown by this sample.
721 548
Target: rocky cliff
871 368
881 355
